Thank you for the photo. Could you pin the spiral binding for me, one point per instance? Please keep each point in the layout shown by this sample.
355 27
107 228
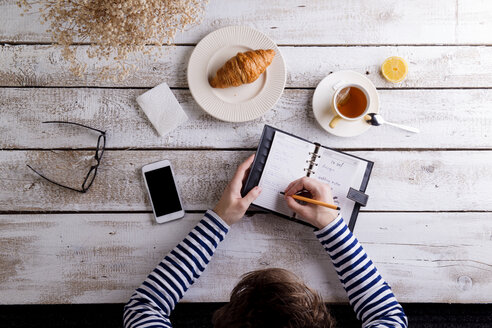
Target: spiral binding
312 162
314 154
315 164
310 171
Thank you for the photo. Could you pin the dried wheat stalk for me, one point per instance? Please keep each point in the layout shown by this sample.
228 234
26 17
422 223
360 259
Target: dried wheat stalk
119 31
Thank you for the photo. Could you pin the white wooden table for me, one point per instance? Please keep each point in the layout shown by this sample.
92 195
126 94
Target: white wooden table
428 224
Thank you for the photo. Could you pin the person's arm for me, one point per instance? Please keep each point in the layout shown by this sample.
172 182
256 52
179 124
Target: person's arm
151 304
368 293
370 296
157 296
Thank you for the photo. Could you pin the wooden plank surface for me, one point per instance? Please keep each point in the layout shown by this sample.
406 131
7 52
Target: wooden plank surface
401 181
316 22
446 118
429 257
429 66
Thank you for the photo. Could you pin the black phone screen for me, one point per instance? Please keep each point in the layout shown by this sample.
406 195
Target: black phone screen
163 191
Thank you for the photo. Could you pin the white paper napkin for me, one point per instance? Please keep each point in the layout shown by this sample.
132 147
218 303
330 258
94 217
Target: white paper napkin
162 109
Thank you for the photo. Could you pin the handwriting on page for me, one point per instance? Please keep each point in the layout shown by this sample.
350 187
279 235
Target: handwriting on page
285 163
340 172
329 172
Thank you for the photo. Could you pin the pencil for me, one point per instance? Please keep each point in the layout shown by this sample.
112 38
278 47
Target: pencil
313 201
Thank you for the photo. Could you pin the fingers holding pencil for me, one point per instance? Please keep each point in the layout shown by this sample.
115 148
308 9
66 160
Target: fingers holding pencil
315 211
319 190
313 201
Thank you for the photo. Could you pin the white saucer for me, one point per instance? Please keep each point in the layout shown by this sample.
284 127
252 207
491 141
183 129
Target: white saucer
322 103
235 104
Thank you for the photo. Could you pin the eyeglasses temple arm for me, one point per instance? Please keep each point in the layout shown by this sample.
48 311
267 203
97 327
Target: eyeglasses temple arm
78 124
42 176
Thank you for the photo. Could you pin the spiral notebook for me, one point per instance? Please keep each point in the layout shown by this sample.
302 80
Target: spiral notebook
282 157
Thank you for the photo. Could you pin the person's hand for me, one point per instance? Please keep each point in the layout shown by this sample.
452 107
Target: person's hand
231 206
318 216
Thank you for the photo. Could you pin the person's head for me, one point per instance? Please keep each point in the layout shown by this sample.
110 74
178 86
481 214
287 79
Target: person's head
273 298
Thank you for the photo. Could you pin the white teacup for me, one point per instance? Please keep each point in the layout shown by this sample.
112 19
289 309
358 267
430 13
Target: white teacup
350 102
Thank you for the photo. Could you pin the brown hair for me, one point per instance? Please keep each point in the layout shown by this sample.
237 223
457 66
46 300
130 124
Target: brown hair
273 298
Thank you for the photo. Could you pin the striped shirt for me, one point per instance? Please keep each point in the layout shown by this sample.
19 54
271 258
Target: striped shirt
369 295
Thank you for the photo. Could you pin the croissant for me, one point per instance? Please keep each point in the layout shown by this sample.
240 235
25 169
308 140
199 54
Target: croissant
243 68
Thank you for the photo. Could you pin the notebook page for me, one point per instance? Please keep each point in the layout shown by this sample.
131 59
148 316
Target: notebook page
285 163
341 172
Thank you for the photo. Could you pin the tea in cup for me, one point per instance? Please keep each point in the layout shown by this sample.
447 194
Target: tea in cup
350 102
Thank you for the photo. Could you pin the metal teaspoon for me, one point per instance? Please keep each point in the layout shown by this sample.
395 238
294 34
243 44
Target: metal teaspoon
376 119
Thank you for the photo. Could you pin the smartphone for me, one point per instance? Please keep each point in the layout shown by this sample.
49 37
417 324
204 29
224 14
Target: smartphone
163 193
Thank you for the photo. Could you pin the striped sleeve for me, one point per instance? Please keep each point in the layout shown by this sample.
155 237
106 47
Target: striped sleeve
370 296
152 302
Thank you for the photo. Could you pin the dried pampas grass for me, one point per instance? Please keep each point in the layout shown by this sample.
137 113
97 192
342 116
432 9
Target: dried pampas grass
117 30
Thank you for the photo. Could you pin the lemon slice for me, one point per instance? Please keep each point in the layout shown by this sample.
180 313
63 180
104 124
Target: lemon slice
394 69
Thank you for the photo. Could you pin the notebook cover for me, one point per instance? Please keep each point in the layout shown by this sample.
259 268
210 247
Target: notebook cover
259 162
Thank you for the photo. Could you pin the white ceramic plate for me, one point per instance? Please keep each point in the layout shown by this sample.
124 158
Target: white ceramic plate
236 104
322 103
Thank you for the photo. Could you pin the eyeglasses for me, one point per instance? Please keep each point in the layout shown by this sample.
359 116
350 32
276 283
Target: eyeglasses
89 178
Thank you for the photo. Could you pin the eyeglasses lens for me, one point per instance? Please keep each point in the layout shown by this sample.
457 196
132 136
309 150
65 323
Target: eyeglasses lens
89 179
101 144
